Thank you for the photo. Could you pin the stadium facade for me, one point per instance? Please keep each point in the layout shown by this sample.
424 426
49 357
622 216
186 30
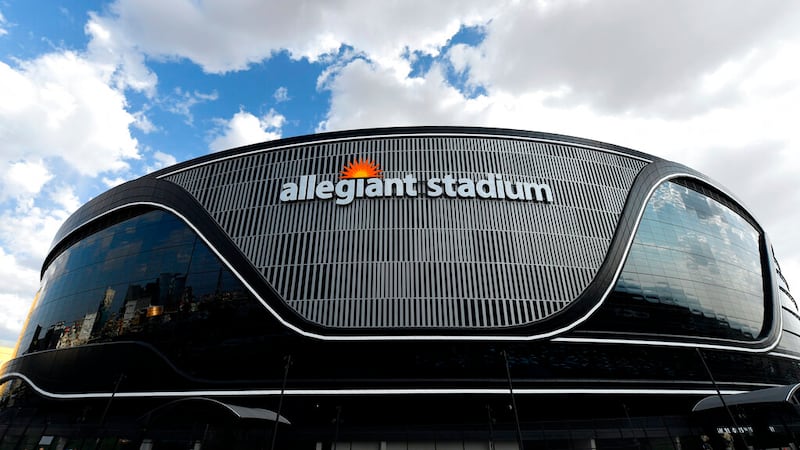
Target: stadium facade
427 287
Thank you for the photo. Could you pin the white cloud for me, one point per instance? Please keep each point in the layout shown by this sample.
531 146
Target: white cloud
159 161
245 128
624 55
28 231
143 123
22 180
281 95
64 197
13 310
20 279
164 159
124 66
708 84
226 35
748 145
25 236
182 102
462 57
61 106
63 122
365 95
3 31
112 182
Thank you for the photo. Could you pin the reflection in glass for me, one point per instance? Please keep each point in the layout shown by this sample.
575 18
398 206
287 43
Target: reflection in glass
694 269
126 281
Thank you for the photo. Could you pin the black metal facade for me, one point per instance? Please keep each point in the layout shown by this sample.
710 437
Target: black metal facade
477 264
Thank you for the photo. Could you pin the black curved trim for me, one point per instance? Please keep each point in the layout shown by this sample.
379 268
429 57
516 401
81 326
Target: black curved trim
143 366
378 133
153 190
139 194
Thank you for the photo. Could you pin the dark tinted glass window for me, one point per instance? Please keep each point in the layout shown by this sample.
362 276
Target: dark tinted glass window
694 269
127 281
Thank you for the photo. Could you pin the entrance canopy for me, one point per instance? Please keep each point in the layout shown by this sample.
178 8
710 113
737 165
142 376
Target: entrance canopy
240 412
779 394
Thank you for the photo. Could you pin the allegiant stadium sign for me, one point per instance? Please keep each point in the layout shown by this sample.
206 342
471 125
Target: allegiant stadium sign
363 179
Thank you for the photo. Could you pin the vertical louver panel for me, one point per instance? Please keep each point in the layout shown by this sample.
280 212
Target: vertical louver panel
422 262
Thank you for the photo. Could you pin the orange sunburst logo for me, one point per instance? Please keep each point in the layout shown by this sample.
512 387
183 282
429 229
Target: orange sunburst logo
361 168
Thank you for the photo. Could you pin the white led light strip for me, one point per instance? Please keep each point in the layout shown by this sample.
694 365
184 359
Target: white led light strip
443 337
331 392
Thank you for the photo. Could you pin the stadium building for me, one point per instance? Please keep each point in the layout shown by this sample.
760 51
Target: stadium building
408 288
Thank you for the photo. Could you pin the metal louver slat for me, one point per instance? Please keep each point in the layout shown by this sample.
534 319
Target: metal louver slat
422 262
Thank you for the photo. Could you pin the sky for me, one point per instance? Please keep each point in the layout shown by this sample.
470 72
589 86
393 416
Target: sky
95 93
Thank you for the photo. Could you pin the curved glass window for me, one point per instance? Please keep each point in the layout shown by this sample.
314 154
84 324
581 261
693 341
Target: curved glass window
132 280
694 269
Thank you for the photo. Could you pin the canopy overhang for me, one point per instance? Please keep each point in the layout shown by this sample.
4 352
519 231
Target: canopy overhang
240 412
778 394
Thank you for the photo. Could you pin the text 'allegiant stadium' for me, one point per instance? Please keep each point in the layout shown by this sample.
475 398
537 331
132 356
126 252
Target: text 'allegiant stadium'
345 191
364 178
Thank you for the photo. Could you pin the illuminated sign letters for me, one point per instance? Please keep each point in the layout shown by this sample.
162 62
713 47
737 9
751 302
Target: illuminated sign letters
345 191
364 179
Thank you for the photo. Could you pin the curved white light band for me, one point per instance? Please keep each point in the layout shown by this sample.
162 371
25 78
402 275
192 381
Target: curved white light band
329 392
501 338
